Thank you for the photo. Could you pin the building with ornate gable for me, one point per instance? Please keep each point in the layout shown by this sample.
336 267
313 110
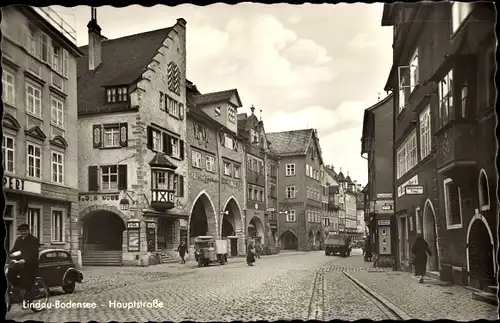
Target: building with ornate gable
299 187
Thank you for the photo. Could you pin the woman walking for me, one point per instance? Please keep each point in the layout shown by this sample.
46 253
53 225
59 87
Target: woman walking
250 254
420 249
182 251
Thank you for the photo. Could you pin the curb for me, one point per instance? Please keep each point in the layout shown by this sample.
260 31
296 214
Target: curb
388 304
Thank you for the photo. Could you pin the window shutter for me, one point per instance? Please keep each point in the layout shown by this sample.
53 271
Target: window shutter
93 178
122 177
222 139
123 134
181 186
205 131
196 128
167 103
181 149
65 63
150 137
97 135
181 111
169 145
166 140
235 144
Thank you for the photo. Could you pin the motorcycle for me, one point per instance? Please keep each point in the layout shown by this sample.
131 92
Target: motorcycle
17 295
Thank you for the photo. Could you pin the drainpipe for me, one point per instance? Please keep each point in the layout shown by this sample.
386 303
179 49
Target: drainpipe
277 204
219 175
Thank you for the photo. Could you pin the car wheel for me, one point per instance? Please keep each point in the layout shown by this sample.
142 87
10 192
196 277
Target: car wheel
69 287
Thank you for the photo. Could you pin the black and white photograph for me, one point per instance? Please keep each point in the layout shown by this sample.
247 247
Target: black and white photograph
250 162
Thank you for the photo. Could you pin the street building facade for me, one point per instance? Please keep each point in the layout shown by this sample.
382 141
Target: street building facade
350 197
443 71
131 144
216 168
261 180
39 136
299 185
360 215
376 147
331 220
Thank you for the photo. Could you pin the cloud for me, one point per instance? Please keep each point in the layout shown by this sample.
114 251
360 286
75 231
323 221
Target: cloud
306 51
207 40
361 42
295 19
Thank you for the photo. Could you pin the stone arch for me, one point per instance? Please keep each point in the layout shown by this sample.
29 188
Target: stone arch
259 228
235 216
430 233
476 217
288 240
102 228
205 224
319 238
483 190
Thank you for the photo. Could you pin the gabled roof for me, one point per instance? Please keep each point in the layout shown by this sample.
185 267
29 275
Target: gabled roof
123 62
290 143
349 180
341 177
217 97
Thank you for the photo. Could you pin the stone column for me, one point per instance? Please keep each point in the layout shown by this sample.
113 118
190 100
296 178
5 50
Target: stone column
73 234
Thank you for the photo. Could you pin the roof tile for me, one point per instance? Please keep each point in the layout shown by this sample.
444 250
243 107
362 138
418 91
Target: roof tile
290 142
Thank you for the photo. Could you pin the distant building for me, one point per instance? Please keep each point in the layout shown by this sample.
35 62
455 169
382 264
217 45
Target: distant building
376 147
299 185
331 219
39 129
444 143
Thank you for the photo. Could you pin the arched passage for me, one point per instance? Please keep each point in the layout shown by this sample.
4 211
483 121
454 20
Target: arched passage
312 238
430 234
288 240
256 230
232 226
102 237
319 241
480 253
202 220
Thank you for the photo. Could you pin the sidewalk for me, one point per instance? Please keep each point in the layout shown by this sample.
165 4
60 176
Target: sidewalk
431 300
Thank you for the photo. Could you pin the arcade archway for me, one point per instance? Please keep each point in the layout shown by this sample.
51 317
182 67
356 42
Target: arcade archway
255 230
102 238
202 218
429 233
480 253
288 241
311 239
232 225
319 241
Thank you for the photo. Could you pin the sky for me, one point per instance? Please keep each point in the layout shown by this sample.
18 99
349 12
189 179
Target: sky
304 66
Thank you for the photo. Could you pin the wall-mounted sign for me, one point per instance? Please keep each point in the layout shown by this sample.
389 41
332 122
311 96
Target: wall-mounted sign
411 181
16 184
232 183
99 197
183 223
384 195
384 206
203 177
271 209
414 190
256 206
133 225
384 222
151 225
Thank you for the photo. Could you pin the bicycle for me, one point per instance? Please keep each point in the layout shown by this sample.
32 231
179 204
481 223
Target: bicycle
38 291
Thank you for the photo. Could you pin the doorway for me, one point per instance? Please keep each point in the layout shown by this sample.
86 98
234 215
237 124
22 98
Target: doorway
234 247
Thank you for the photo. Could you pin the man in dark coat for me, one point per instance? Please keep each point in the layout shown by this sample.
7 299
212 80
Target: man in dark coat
367 249
420 249
29 246
182 249
250 254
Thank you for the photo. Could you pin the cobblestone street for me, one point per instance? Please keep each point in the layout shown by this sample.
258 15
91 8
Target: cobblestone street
286 286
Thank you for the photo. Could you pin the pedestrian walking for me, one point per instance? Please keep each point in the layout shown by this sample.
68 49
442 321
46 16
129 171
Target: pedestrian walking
182 249
420 249
250 254
258 250
367 250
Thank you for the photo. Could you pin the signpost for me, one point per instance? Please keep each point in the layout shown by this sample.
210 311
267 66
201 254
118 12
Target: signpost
414 190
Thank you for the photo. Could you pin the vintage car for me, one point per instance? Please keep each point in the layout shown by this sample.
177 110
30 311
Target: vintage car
208 250
57 269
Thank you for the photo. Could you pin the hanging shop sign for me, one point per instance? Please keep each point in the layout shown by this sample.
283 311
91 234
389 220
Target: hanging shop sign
17 184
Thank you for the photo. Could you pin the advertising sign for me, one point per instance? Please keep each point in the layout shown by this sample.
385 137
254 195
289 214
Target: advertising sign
414 190
384 195
384 206
133 240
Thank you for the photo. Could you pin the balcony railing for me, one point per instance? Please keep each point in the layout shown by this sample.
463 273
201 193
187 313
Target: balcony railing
162 199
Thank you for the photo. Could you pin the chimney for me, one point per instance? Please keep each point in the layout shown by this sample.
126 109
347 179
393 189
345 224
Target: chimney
95 40
252 108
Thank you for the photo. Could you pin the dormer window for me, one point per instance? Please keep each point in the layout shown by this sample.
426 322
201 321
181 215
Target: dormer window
117 94
231 114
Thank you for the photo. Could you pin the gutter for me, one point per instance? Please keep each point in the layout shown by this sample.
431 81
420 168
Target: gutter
219 178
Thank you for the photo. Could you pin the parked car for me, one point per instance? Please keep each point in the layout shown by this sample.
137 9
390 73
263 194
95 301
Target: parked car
338 244
57 269
209 250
